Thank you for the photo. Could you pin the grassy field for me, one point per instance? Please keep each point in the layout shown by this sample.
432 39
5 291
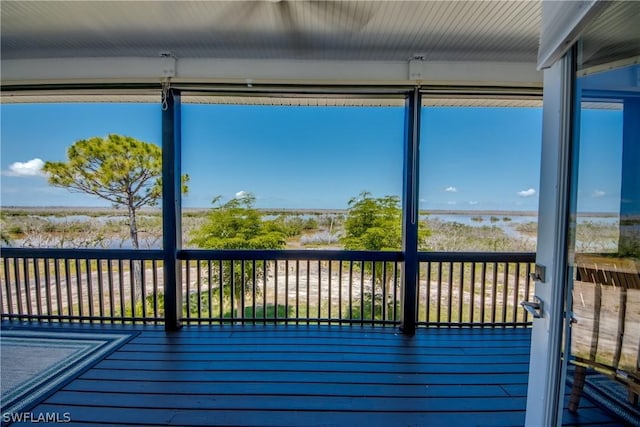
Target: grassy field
108 228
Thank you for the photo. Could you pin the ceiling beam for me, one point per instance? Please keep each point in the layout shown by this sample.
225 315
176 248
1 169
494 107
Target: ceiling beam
253 71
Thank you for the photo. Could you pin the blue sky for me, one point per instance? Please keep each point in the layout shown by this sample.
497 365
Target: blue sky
600 161
481 158
306 157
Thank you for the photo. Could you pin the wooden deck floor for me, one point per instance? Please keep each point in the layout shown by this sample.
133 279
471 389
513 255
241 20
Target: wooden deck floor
306 376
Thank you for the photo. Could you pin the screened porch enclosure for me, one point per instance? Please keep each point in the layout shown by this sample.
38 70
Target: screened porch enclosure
180 284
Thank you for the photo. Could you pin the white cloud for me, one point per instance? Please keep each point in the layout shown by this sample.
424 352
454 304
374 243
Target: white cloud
451 203
527 193
241 194
31 167
473 202
598 193
451 189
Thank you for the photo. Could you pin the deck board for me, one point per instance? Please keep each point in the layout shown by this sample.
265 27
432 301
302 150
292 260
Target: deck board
309 377
297 389
306 376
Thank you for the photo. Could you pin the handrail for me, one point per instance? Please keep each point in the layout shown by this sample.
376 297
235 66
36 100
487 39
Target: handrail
476 256
248 254
67 253
289 254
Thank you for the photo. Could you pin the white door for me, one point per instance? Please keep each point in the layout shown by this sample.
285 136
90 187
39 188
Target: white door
589 208
602 342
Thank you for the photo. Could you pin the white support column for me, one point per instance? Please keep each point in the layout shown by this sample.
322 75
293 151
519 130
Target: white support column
545 373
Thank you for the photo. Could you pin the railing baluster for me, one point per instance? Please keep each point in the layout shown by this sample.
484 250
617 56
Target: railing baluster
38 284
450 292
7 285
362 266
340 266
143 288
297 290
210 290
199 290
483 290
69 288
3 311
319 291
27 285
472 297
112 301
505 292
133 278
90 288
329 292
461 294
187 295
121 287
424 268
16 276
243 287
57 273
275 289
418 291
395 292
99 272
254 291
79 294
373 292
308 308
47 289
384 290
264 290
154 266
234 315
221 291
351 290
516 291
494 292
439 294
286 288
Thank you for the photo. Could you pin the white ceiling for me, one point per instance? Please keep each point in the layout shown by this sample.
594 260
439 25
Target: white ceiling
324 30
271 42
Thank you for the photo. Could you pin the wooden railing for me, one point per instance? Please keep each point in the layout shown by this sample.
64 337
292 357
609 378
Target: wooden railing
474 289
292 286
82 285
262 286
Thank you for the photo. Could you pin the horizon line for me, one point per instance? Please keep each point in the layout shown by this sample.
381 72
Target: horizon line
314 210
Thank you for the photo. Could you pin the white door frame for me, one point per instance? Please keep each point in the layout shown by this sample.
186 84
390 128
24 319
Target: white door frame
546 376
